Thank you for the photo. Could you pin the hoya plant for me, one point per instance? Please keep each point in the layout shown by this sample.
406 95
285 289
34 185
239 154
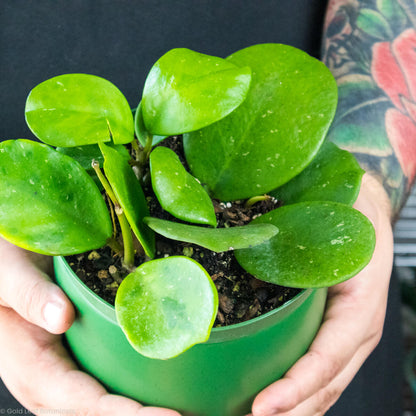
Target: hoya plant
253 126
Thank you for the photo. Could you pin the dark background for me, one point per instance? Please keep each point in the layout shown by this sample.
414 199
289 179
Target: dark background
120 40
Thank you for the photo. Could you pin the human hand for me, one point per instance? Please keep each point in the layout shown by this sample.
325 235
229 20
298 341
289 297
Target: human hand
351 328
34 365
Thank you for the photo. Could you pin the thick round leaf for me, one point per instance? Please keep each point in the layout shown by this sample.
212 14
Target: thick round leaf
215 239
166 306
179 192
277 130
129 194
140 129
79 109
48 203
319 244
187 90
334 175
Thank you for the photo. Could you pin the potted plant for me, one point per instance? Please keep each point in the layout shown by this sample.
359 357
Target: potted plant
253 128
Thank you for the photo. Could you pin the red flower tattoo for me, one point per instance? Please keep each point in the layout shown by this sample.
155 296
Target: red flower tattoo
394 70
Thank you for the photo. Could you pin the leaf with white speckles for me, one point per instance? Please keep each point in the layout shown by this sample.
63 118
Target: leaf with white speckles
178 191
334 175
277 130
166 306
186 90
48 203
78 109
141 131
319 244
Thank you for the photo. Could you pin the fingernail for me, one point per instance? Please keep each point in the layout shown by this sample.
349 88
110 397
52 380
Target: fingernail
52 314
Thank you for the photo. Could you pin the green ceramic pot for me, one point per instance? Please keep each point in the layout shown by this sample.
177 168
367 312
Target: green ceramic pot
218 378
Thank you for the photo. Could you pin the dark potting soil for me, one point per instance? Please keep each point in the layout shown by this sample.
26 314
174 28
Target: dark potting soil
241 296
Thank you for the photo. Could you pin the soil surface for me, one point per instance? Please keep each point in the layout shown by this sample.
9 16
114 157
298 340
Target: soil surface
241 296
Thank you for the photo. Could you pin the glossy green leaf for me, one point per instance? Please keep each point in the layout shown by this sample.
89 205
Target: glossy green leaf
334 175
78 109
187 90
277 130
84 155
215 239
319 244
140 129
48 203
166 306
179 192
129 194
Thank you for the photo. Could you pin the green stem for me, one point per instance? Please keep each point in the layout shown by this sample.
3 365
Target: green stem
250 202
106 185
148 146
128 260
144 154
124 225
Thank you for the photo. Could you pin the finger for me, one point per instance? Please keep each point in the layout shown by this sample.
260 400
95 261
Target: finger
41 375
320 402
26 288
332 350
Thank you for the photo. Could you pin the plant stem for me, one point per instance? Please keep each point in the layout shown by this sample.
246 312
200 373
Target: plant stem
128 260
148 146
250 202
107 187
145 152
124 225
142 156
113 220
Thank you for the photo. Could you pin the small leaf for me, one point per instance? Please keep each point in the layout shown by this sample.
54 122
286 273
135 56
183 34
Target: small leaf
334 175
393 12
374 24
179 192
274 134
215 239
129 194
319 244
140 129
78 109
166 306
48 203
369 137
187 90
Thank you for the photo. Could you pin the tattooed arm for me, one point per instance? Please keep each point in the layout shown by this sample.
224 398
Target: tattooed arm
370 46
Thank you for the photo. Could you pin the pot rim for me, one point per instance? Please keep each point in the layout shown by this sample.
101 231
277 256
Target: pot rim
218 334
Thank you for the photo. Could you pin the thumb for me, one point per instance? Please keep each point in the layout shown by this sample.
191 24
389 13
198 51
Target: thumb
26 287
